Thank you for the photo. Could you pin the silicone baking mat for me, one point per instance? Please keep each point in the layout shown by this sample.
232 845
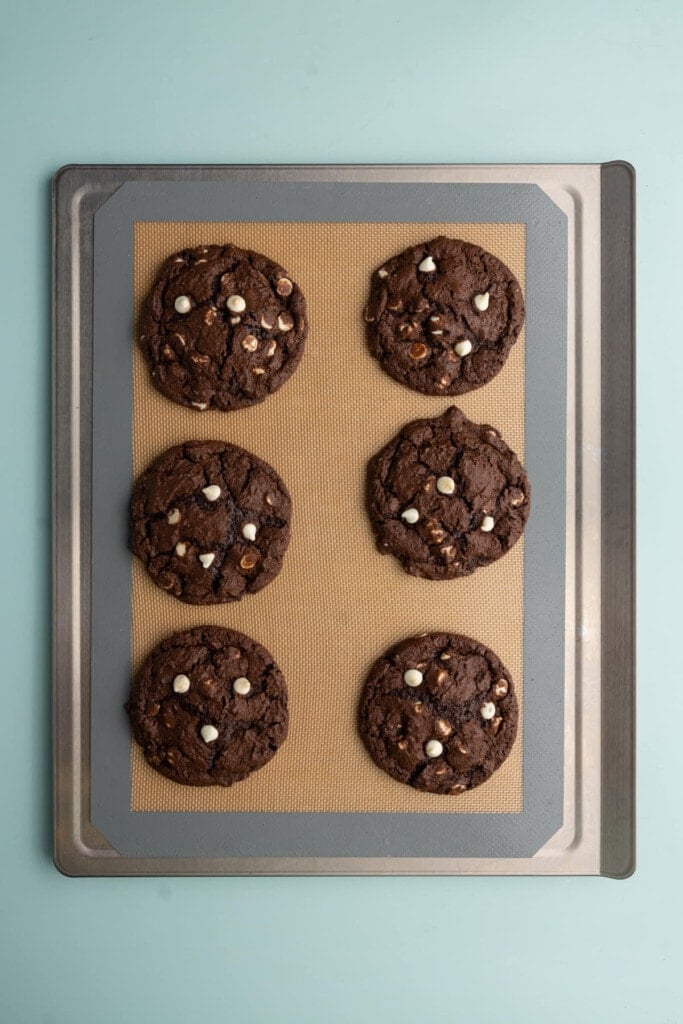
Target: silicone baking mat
338 603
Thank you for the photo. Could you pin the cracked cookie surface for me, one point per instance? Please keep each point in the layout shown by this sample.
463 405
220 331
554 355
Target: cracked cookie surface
210 521
439 713
442 316
209 707
222 327
447 496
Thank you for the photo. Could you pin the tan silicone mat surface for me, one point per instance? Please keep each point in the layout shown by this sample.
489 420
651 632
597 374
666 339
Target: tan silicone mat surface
338 603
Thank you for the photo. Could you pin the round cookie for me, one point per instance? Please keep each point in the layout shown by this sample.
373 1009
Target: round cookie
446 496
222 327
443 316
439 712
210 521
208 707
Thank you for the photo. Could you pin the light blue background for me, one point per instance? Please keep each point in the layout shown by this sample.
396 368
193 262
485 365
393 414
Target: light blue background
296 81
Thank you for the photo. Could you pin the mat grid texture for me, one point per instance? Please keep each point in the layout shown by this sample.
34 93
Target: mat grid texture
337 604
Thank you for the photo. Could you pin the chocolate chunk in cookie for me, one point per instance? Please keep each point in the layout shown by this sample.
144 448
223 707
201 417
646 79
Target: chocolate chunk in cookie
443 316
209 707
439 713
222 327
210 521
446 496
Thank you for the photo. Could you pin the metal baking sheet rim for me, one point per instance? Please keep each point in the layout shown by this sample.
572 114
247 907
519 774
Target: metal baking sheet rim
598 831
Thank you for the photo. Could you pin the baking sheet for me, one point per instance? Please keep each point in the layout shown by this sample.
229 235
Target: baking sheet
95 210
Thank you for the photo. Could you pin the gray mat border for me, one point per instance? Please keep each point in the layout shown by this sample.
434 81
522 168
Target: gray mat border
330 835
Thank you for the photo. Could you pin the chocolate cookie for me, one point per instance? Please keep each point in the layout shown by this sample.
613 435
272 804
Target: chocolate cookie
222 327
209 707
210 521
446 496
439 712
443 316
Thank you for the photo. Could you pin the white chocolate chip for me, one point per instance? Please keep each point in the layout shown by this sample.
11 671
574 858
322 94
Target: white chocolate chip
433 748
197 262
481 302
436 332
182 304
207 559
209 733
445 485
179 259
267 324
181 684
242 686
516 496
284 286
487 524
181 549
382 272
250 343
487 711
258 370
463 348
412 677
212 492
236 304
173 516
235 320
200 405
435 319
285 322
427 266
249 531
411 515
271 350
